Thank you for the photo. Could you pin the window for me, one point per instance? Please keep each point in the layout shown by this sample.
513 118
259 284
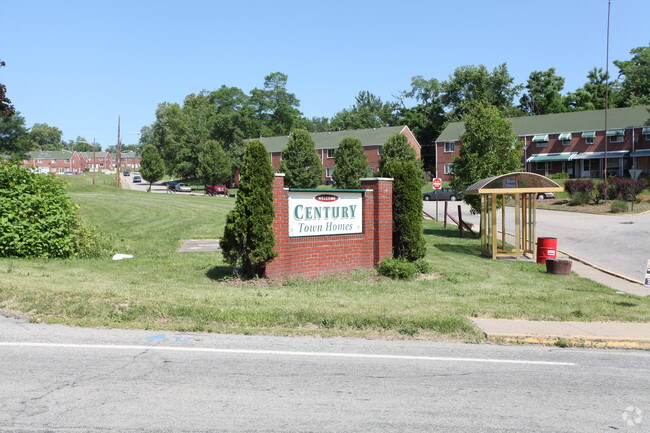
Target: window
329 172
379 150
330 153
590 140
450 146
616 139
66 160
40 161
53 161
541 143
449 168
543 165
566 142
565 138
646 137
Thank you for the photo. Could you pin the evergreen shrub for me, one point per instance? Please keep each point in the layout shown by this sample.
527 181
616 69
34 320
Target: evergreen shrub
398 269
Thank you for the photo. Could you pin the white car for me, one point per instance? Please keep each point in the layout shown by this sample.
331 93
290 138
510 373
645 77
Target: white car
183 187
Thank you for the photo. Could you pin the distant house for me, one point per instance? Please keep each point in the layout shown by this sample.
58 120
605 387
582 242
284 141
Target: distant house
98 161
576 143
326 142
57 162
128 160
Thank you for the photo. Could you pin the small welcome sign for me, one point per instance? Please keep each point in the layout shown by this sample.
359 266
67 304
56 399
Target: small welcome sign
325 212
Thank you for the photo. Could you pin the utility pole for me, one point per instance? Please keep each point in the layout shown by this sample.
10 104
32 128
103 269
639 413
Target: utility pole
94 160
609 2
118 152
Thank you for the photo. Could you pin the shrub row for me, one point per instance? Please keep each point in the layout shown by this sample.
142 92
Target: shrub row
583 190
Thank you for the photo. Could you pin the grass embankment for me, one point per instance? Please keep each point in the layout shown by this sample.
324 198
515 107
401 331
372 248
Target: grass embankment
163 289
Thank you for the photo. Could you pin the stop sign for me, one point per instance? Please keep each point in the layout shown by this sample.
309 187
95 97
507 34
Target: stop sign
437 183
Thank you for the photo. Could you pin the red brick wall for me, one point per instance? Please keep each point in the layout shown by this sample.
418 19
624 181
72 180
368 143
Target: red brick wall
315 255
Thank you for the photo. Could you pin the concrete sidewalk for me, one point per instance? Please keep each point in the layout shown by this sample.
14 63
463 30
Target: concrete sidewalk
606 334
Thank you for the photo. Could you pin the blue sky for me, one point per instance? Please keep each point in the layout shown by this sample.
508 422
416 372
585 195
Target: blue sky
78 65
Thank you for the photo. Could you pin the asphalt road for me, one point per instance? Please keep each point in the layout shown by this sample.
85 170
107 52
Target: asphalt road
61 379
620 243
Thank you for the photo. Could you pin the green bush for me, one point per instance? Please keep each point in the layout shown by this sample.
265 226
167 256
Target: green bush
38 218
423 266
618 206
398 269
580 198
408 235
248 239
559 176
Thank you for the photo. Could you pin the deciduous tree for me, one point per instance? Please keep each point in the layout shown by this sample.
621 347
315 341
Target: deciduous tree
215 166
152 167
490 148
543 93
397 148
635 89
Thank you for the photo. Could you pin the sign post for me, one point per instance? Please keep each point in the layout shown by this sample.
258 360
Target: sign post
647 276
436 184
634 174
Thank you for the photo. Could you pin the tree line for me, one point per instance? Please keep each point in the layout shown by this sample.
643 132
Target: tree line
228 115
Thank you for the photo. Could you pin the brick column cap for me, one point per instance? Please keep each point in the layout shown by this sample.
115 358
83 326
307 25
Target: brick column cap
279 174
387 179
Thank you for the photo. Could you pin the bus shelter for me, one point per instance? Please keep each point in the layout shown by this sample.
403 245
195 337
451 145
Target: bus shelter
521 190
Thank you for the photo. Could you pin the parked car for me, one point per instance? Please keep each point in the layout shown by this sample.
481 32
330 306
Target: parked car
442 194
183 187
171 186
137 179
127 173
216 190
545 195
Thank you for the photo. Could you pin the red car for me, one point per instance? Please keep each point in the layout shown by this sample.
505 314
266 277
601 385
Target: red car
216 190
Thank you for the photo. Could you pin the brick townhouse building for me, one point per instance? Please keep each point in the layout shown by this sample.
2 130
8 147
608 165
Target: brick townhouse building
576 143
326 142
98 161
57 162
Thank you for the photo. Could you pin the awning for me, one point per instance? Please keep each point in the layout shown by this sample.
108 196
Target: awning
589 134
550 157
565 136
639 153
601 155
540 138
646 130
613 132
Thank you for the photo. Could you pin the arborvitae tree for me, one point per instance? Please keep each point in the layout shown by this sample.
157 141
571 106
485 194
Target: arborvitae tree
215 166
490 148
396 148
152 166
300 162
248 237
351 164
408 237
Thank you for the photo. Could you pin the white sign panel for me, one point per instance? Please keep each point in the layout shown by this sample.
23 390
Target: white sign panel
321 212
647 276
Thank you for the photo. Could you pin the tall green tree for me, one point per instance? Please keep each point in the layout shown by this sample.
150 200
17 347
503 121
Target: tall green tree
14 137
397 148
490 148
475 84
351 164
215 166
369 111
275 108
152 167
635 89
45 137
426 119
248 239
543 93
300 162
591 96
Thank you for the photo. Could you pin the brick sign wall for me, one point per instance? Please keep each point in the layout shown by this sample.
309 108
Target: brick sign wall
308 255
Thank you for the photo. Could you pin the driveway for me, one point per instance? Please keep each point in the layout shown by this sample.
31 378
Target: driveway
619 243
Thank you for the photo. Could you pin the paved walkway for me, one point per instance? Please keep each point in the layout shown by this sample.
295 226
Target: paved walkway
609 334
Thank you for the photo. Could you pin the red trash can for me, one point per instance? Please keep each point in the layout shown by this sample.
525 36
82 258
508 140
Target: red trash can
546 249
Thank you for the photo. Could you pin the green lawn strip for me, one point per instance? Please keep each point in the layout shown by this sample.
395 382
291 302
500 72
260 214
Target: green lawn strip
163 289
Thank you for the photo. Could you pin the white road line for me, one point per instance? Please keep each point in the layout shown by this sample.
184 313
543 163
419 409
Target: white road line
282 353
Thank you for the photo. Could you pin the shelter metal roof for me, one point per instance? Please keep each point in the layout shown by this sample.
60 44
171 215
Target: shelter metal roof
514 183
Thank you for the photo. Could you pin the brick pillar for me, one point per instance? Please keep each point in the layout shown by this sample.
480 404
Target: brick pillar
382 214
276 266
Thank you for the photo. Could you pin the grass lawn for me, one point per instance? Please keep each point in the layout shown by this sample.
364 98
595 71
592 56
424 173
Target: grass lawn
163 289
